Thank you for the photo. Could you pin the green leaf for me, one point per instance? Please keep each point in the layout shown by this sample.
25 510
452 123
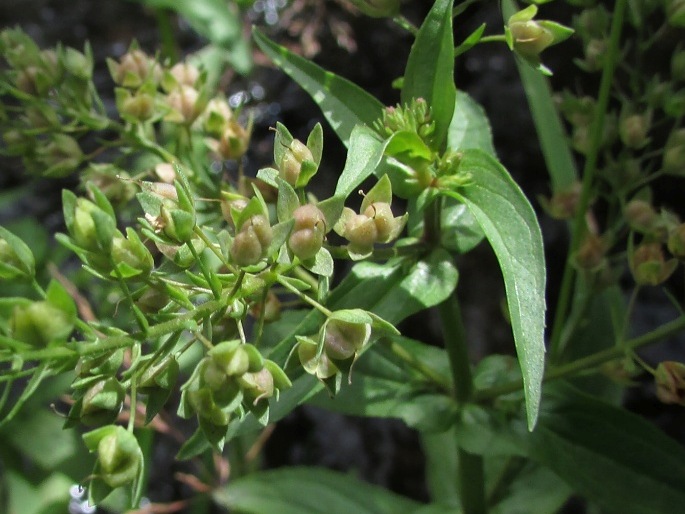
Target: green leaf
430 68
216 20
511 227
24 256
344 104
382 385
310 490
364 154
609 455
470 127
535 490
548 125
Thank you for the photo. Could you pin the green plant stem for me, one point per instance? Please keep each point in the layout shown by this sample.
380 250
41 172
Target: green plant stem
405 24
166 35
379 254
591 361
499 38
589 170
304 297
82 348
409 359
133 404
205 272
471 481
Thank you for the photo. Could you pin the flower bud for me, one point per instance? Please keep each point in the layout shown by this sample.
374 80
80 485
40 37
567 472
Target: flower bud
257 386
648 265
322 367
563 204
16 258
131 254
186 105
595 52
530 38
343 339
61 156
670 382
114 182
135 107
270 309
40 323
290 165
676 242
87 217
674 153
217 116
384 219
640 216
134 68
230 357
185 74
633 130
361 232
102 402
234 141
119 457
308 233
78 64
176 223
591 253
252 242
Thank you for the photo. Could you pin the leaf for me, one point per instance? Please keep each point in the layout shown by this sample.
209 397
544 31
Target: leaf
548 125
364 154
442 465
470 127
609 455
535 490
344 104
430 68
384 386
511 227
26 262
312 490
217 21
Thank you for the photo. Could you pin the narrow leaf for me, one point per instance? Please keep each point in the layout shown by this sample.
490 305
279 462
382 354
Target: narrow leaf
470 127
310 490
364 154
430 68
343 103
511 227
609 455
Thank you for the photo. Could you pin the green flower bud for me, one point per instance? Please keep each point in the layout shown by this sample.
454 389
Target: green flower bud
530 38
40 323
134 68
234 141
107 364
670 382
203 403
185 74
676 242
16 258
177 224
257 386
640 216
595 52
230 357
648 265
290 165
78 64
674 153
322 367
633 130
130 255
361 232
563 204
119 457
378 8
60 157
591 253
135 107
308 233
186 105
114 182
252 242
102 402
163 374
84 227
343 339
385 221
216 117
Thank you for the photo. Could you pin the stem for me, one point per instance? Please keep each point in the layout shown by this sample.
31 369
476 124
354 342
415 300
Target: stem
591 361
417 365
406 24
205 272
132 410
166 34
471 480
304 297
589 170
498 38
379 254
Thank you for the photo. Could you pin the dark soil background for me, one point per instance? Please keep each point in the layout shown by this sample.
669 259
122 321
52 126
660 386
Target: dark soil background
371 53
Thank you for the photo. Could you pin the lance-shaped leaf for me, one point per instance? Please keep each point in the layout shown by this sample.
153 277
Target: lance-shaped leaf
364 154
343 103
511 227
430 69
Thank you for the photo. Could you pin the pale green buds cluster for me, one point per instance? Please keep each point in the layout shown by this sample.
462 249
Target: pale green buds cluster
375 224
633 129
308 233
233 376
528 37
412 117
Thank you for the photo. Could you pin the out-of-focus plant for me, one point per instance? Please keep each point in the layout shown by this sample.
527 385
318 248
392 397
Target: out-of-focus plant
202 261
